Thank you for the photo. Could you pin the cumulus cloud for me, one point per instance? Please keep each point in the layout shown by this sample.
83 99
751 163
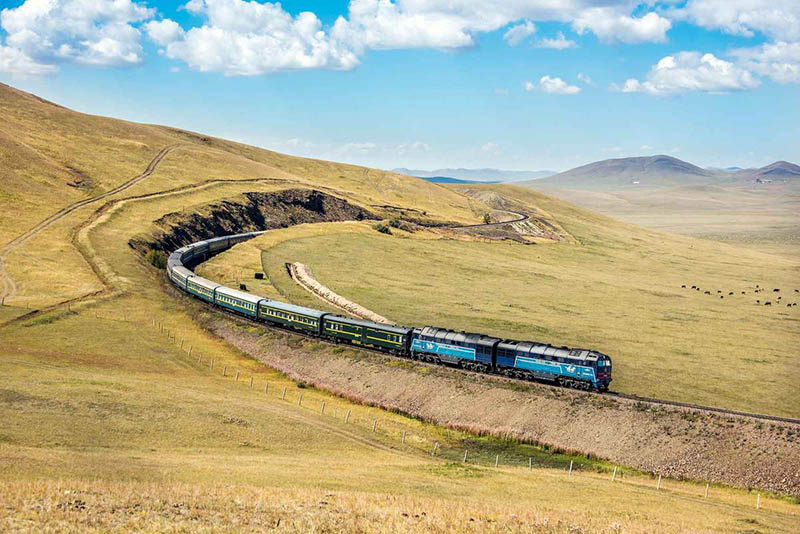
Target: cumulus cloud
15 62
585 78
559 42
248 38
164 32
516 34
490 147
780 61
777 19
415 146
43 33
556 86
691 71
529 85
241 37
610 25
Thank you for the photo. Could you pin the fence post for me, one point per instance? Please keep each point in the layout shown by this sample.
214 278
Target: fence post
182 340
300 400
347 417
266 388
224 370
199 358
374 424
570 467
496 460
707 484
323 408
403 441
758 501
237 376
283 395
465 454
530 464
212 364
614 476
251 381
658 485
190 351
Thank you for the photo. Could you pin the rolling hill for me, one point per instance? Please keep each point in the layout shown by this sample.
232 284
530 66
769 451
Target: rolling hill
647 171
753 207
124 410
477 175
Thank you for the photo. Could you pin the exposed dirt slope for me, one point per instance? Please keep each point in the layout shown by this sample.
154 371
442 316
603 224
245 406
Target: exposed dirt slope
675 442
249 212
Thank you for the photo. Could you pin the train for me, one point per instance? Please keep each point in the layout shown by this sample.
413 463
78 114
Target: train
528 360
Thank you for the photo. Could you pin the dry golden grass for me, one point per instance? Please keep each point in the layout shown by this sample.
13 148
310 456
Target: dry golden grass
618 292
110 427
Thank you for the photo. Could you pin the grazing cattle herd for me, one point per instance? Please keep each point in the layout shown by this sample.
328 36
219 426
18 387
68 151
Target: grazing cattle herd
756 290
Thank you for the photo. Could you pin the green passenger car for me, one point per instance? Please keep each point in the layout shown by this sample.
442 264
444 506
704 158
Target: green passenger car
365 332
297 317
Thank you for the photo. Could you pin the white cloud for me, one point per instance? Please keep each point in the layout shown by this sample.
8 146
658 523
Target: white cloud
416 146
780 61
558 43
18 64
43 33
360 147
557 86
645 147
500 91
249 38
490 147
516 34
691 71
585 78
611 25
241 37
778 19
163 32
529 85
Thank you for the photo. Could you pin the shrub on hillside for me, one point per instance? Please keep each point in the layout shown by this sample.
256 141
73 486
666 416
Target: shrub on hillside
382 228
156 258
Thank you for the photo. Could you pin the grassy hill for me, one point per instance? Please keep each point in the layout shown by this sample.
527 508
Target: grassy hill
116 419
756 208
618 291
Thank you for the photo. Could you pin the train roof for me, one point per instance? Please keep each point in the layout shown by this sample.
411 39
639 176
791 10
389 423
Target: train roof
203 282
452 335
368 324
183 271
243 295
543 349
278 305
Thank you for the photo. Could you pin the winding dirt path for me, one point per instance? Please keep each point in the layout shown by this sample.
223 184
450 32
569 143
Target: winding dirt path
9 287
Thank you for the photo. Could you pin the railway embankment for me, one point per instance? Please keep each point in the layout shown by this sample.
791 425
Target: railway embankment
676 442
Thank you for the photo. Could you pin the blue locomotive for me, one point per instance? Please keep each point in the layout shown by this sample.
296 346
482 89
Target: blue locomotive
528 360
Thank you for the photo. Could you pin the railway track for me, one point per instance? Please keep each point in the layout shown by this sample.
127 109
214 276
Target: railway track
502 378
521 217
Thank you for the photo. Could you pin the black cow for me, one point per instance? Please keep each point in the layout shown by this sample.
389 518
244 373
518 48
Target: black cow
768 303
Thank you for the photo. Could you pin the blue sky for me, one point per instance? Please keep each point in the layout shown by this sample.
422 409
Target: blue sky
514 84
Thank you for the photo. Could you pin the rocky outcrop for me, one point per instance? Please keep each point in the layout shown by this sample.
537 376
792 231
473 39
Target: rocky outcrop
248 212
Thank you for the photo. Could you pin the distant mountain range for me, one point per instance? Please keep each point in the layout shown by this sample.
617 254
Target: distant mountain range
475 175
661 171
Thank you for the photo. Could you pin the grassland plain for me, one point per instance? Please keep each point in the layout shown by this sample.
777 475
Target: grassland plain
110 426
761 217
667 341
